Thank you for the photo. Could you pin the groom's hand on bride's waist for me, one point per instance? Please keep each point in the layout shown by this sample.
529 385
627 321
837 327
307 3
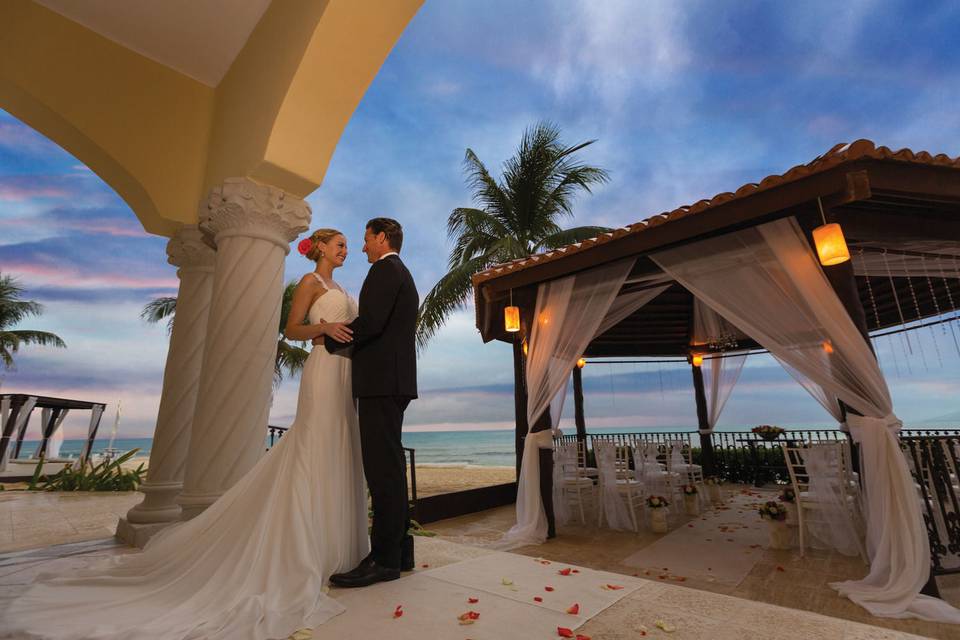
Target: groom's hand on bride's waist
339 331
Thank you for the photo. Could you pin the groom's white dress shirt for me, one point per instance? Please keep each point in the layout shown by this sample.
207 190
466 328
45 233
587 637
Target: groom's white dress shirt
392 253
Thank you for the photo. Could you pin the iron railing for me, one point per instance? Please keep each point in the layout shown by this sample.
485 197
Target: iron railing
934 462
742 456
275 433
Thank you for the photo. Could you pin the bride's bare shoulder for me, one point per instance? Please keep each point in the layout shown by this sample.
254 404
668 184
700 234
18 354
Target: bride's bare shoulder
311 280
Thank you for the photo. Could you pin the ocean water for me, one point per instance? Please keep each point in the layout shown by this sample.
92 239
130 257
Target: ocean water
433 448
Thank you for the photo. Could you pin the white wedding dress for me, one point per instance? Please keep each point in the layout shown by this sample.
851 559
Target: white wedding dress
254 565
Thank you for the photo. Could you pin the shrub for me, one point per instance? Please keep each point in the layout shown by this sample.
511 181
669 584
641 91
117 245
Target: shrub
106 476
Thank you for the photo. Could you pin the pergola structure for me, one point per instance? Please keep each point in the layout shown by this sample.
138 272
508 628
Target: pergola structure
213 121
897 208
767 266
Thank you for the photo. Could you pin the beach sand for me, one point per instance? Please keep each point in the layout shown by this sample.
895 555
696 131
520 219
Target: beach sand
431 480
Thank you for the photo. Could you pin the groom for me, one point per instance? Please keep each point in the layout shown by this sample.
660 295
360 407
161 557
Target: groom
384 382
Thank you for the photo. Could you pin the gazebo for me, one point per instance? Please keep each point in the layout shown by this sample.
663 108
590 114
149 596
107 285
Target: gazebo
808 265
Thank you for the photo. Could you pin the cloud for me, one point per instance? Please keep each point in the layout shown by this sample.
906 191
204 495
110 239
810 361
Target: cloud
20 138
20 188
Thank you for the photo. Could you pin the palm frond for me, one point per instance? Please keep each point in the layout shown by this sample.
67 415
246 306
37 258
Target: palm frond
289 358
41 338
286 303
448 295
159 308
513 217
570 236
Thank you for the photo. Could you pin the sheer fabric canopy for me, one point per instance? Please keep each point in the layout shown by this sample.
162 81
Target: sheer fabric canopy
766 281
720 374
569 313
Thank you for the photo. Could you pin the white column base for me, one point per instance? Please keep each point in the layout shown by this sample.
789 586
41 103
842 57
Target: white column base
159 504
193 504
137 535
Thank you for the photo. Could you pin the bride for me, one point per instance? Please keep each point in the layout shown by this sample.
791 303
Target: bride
254 565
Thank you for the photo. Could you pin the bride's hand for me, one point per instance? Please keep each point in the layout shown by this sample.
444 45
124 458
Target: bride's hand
339 331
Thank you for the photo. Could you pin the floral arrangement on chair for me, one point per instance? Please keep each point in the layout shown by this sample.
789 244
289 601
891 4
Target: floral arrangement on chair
689 489
767 431
657 502
772 510
712 481
787 495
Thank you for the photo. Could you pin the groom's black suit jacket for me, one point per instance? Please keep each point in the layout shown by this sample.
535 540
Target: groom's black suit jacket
384 333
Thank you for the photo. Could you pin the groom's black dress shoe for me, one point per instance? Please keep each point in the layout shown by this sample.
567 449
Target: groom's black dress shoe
364 575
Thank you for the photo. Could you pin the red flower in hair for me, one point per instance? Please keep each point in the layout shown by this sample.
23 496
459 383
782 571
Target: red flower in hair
305 245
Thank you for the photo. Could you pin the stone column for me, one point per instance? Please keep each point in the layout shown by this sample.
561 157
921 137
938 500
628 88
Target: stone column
168 455
252 226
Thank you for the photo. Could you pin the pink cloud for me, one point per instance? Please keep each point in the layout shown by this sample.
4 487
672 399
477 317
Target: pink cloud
22 138
103 225
63 276
26 191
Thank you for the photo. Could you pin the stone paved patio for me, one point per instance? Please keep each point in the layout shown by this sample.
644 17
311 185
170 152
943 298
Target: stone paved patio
776 577
699 604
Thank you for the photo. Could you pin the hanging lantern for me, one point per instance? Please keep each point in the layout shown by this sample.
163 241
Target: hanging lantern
511 319
831 245
829 240
696 359
581 363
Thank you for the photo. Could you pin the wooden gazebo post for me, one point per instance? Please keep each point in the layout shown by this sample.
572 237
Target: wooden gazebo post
519 398
706 439
578 405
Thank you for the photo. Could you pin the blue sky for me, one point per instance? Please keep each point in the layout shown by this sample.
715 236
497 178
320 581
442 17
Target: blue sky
686 100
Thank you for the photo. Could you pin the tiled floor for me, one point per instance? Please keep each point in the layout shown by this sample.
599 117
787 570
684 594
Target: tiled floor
688 613
776 577
39 520
36 519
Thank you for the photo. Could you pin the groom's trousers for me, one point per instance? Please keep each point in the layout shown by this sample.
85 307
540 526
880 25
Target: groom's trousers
385 467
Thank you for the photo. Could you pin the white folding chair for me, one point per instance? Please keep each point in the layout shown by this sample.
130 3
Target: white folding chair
618 486
814 509
577 489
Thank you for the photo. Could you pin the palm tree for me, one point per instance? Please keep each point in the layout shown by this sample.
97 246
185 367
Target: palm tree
12 311
290 358
516 217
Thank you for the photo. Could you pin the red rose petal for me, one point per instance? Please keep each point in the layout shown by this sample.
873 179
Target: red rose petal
582 637
614 587
537 599
574 609
576 571
548 588
473 615
565 572
563 632
398 611
779 568
473 600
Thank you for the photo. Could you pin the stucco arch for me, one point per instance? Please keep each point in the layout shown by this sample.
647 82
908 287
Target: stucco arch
160 138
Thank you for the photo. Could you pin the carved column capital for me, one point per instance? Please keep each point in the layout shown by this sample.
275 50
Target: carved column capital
242 207
187 250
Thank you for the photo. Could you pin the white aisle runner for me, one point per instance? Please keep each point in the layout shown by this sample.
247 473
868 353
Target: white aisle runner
432 601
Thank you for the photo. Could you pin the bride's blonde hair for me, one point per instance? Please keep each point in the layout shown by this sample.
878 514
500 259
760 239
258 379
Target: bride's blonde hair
318 236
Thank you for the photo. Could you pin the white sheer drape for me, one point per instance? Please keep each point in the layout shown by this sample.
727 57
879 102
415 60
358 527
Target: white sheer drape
833 526
96 412
56 438
25 410
614 509
720 371
720 374
766 281
570 312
